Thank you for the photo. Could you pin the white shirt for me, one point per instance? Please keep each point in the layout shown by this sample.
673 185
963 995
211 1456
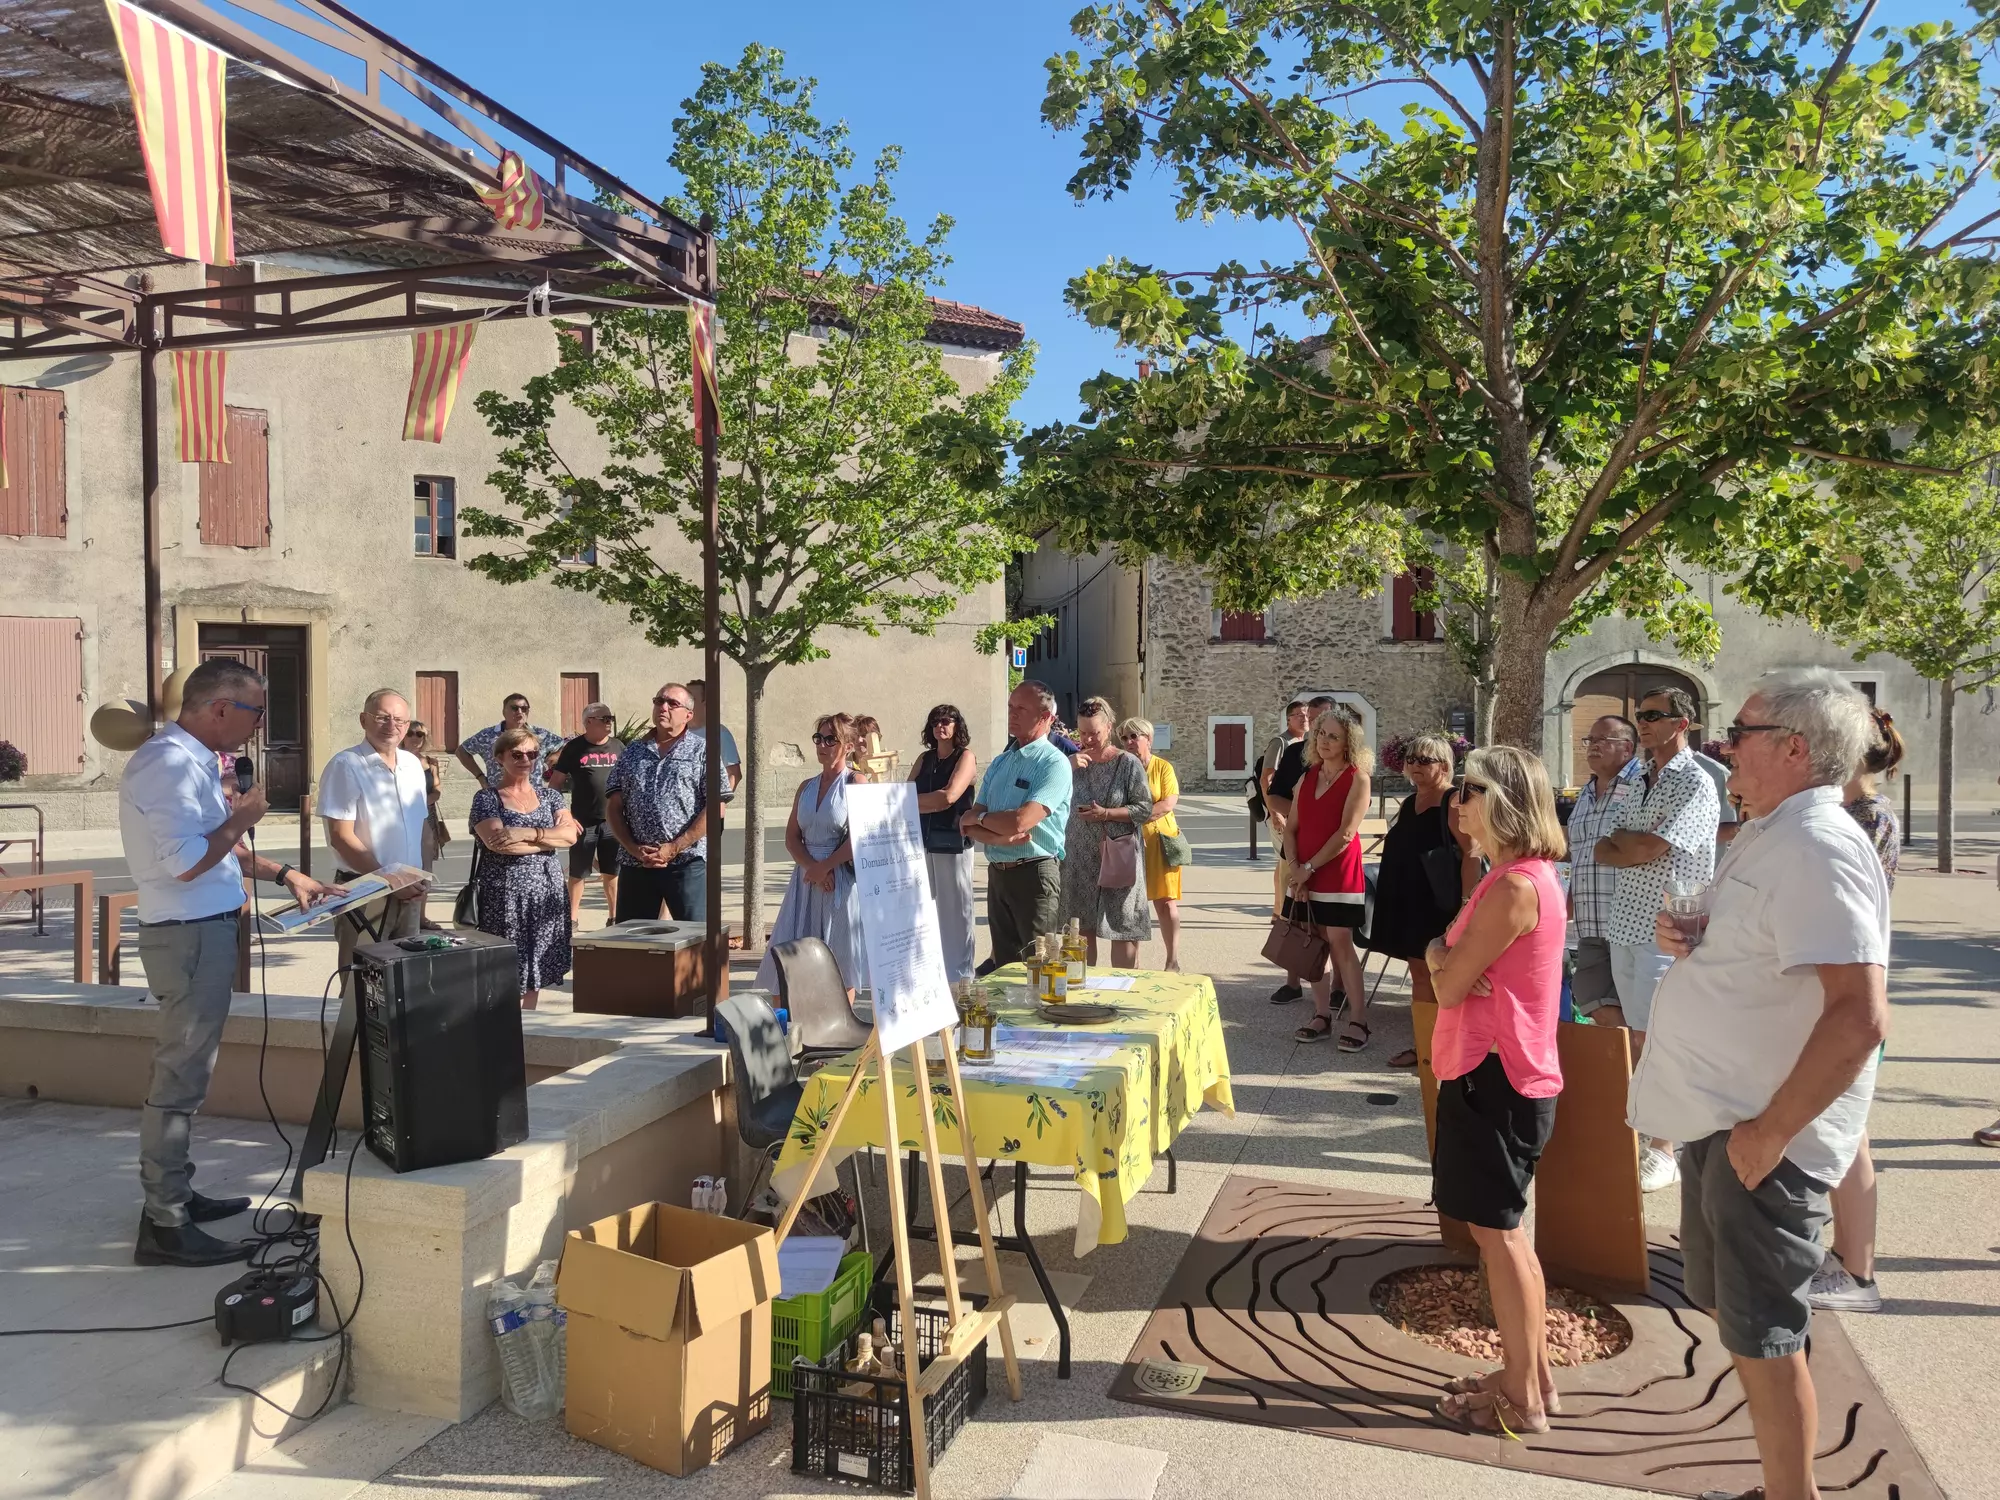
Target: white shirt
387 805
1676 803
169 802
1798 887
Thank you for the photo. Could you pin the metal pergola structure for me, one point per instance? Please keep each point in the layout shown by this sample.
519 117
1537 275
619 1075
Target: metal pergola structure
362 184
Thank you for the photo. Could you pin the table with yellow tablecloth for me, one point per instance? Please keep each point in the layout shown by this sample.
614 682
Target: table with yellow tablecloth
1105 1120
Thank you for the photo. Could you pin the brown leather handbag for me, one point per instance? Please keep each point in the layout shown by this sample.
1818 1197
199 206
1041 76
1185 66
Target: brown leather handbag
1294 947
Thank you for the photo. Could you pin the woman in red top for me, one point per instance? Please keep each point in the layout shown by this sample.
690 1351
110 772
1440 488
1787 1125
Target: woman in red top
1497 972
1327 888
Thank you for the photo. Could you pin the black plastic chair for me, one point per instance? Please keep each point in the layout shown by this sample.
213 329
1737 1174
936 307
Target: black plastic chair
814 994
766 1079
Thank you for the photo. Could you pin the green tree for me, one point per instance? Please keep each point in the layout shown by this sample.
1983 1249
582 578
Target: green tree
1617 270
861 489
1903 567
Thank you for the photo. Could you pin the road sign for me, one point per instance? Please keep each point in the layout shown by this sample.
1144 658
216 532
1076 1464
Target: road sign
1020 658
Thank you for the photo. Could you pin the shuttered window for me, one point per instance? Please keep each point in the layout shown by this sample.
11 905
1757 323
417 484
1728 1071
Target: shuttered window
236 496
1241 625
1406 621
579 691
437 707
1229 744
34 500
41 692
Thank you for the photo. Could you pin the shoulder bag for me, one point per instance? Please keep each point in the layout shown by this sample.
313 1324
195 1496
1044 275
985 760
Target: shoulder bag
1118 861
1294 947
465 910
1175 851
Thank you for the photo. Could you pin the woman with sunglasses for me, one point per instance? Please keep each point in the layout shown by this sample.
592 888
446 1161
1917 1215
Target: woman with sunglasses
944 775
1323 851
820 901
520 822
1497 974
1163 881
1425 871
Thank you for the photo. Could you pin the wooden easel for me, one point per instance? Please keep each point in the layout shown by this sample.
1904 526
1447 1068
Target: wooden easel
968 1328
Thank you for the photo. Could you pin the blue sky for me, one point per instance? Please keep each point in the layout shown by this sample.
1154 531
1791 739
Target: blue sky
958 86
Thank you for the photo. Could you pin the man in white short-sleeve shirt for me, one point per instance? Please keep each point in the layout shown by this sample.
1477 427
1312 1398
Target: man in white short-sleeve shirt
1764 1041
372 798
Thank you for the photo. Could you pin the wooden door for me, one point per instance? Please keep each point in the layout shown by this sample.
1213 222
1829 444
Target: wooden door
279 745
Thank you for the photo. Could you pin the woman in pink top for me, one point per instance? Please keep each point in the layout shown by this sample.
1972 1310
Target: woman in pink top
1498 976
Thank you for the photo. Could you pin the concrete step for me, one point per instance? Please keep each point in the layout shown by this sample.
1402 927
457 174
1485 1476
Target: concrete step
335 1457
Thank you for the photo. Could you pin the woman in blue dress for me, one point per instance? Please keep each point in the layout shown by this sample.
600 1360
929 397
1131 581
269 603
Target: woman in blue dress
821 902
523 897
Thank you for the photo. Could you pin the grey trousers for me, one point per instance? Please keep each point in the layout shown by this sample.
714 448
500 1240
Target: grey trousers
951 888
189 969
1022 899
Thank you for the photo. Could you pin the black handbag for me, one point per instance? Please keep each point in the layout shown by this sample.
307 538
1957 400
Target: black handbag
465 910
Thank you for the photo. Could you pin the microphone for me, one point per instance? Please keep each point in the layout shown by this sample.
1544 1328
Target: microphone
246 774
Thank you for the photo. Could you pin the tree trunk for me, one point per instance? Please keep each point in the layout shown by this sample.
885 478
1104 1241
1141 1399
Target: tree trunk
1520 666
754 681
1947 752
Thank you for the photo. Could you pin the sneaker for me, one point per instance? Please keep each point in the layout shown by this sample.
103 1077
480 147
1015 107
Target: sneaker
1657 1169
1836 1289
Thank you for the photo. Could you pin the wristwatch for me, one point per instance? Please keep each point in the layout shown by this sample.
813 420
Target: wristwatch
279 878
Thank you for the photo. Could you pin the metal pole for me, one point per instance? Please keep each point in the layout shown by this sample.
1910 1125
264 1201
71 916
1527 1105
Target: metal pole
1906 807
149 488
711 662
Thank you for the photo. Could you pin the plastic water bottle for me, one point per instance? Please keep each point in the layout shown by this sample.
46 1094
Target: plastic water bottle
549 1325
523 1386
718 1197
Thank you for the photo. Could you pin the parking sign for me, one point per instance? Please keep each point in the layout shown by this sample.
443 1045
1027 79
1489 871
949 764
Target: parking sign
1020 658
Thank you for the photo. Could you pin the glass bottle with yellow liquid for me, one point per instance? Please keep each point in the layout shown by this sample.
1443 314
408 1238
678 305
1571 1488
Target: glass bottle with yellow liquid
976 1035
1052 973
1075 954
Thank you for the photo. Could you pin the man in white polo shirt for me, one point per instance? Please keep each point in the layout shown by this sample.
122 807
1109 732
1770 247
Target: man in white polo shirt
372 798
1763 1047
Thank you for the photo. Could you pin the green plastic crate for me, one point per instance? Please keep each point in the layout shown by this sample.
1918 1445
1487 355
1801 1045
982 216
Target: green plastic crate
806 1326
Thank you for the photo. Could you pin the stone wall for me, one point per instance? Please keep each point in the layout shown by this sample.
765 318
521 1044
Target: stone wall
1339 643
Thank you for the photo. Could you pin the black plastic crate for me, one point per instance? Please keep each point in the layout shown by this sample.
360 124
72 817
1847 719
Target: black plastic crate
865 1438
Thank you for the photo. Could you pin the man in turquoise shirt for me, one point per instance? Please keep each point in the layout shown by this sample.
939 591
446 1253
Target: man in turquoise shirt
1021 817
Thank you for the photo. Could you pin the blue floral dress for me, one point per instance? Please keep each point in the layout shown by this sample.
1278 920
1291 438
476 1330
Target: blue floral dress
522 897
834 917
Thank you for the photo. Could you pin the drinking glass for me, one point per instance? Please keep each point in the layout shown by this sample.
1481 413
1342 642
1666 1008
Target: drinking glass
1687 906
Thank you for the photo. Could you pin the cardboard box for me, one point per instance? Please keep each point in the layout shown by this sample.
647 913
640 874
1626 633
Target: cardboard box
669 1351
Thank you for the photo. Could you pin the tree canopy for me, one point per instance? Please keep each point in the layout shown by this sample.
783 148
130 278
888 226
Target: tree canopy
1576 284
861 489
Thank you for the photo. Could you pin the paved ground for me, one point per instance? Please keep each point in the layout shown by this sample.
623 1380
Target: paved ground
1304 1113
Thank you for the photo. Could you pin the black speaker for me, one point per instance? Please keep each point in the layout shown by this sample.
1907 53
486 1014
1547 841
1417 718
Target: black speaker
442 1075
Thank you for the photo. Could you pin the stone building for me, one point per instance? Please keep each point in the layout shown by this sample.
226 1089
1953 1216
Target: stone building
329 554
1152 641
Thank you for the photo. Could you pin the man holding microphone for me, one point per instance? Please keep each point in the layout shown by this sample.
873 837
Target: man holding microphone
185 847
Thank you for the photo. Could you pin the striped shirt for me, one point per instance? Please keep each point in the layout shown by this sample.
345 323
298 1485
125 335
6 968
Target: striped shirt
1591 884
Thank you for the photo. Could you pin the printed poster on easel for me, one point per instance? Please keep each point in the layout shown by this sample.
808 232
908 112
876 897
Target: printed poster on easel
898 918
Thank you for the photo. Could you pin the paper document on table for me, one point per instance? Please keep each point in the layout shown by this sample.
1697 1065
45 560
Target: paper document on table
1107 982
1051 1044
1036 1071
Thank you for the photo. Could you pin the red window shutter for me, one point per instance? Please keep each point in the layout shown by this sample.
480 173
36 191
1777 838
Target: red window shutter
35 499
1243 625
579 691
236 496
41 692
1407 622
1232 747
437 706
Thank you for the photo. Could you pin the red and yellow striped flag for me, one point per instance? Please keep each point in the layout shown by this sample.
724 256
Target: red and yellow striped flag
701 354
177 98
198 377
439 356
517 202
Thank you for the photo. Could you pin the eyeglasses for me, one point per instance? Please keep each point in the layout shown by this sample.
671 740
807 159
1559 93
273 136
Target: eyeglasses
248 708
826 739
1654 715
513 708
521 754
680 703
388 721
1469 789
1422 760
1599 741
1735 732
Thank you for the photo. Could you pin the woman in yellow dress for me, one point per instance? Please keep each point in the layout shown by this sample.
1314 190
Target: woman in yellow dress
1163 881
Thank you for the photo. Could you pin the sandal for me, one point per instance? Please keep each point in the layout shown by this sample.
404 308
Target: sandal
1318 1029
1347 1043
1466 1385
1407 1058
1504 1418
